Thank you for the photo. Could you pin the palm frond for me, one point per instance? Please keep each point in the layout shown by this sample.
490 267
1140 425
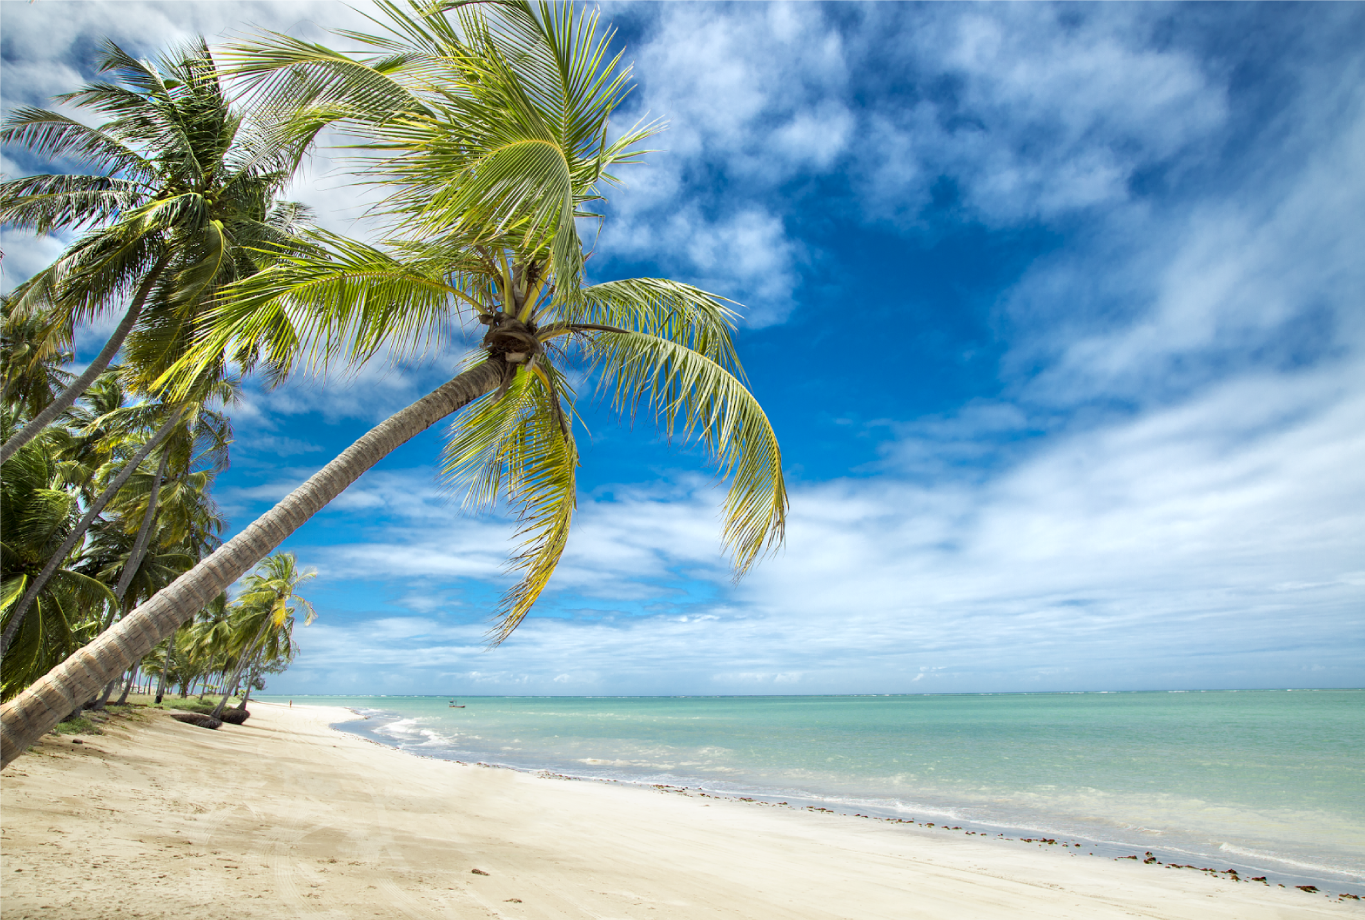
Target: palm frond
520 444
680 313
304 85
45 204
54 136
340 299
101 267
692 395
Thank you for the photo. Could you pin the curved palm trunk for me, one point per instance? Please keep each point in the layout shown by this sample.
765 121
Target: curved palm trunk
78 532
24 719
165 669
250 680
144 532
237 674
82 383
127 687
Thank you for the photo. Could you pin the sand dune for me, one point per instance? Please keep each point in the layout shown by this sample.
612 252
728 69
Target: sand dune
284 817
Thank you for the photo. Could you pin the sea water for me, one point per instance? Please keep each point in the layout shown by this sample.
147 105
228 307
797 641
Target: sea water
1267 782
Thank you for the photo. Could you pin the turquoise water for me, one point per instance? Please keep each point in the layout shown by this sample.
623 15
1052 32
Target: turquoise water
1270 781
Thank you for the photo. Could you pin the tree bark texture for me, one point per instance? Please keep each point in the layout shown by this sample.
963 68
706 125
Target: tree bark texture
35 711
250 681
82 383
78 532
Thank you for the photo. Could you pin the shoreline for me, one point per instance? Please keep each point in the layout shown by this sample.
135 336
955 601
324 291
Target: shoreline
1161 847
286 814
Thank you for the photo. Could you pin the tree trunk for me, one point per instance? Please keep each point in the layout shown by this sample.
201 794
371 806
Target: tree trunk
27 717
104 697
250 682
165 669
144 533
132 676
82 383
237 674
78 533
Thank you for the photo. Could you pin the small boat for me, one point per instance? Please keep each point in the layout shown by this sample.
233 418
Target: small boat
455 705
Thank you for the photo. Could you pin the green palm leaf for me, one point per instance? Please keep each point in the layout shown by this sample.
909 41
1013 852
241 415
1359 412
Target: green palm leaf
46 203
677 312
692 395
54 136
335 299
520 444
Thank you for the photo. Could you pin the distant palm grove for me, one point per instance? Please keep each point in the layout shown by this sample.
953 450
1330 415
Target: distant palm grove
485 128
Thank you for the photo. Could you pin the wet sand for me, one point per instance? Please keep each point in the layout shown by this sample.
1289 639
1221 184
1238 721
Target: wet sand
286 817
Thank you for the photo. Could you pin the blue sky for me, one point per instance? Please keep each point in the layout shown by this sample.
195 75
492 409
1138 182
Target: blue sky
1057 311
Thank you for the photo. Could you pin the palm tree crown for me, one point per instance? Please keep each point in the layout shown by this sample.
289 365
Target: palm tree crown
489 134
497 119
179 200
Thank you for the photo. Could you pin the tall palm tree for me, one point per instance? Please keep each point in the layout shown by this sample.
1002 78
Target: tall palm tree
263 625
498 121
124 469
31 359
179 526
123 437
35 514
180 201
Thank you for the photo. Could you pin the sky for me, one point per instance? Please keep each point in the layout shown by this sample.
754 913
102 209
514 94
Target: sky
1054 310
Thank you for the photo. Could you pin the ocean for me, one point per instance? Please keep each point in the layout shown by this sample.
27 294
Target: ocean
1270 783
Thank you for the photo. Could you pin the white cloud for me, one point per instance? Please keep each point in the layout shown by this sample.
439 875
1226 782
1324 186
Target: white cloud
1034 112
1253 271
753 95
1126 555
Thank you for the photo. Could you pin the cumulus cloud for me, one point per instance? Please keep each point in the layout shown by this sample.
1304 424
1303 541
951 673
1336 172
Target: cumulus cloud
1162 490
753 96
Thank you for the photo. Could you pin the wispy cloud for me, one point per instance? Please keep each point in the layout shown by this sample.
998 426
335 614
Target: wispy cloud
1160 485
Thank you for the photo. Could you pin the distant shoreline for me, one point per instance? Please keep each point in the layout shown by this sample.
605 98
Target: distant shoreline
286 813
1100 840
284 698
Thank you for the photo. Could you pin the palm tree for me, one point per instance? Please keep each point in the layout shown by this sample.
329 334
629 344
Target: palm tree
124 437
35 515
31 359
200 436
183 529
499 123
263 625
75 535
180 203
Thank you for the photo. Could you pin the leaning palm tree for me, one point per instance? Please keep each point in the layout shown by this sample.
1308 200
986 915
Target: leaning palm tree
36 513
179 203
494 135
156 425
263 621
31 359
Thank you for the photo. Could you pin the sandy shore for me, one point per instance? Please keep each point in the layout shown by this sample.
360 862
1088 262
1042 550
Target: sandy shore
285 817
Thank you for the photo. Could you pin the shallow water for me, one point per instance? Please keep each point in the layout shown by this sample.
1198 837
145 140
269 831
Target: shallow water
1267 782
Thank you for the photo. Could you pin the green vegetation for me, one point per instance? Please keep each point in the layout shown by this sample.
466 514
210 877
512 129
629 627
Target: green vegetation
107 482
78 725
487 129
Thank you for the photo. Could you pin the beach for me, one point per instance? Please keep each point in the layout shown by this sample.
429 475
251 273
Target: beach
285 816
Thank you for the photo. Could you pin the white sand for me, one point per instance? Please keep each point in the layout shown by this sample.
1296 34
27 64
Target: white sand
285 817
